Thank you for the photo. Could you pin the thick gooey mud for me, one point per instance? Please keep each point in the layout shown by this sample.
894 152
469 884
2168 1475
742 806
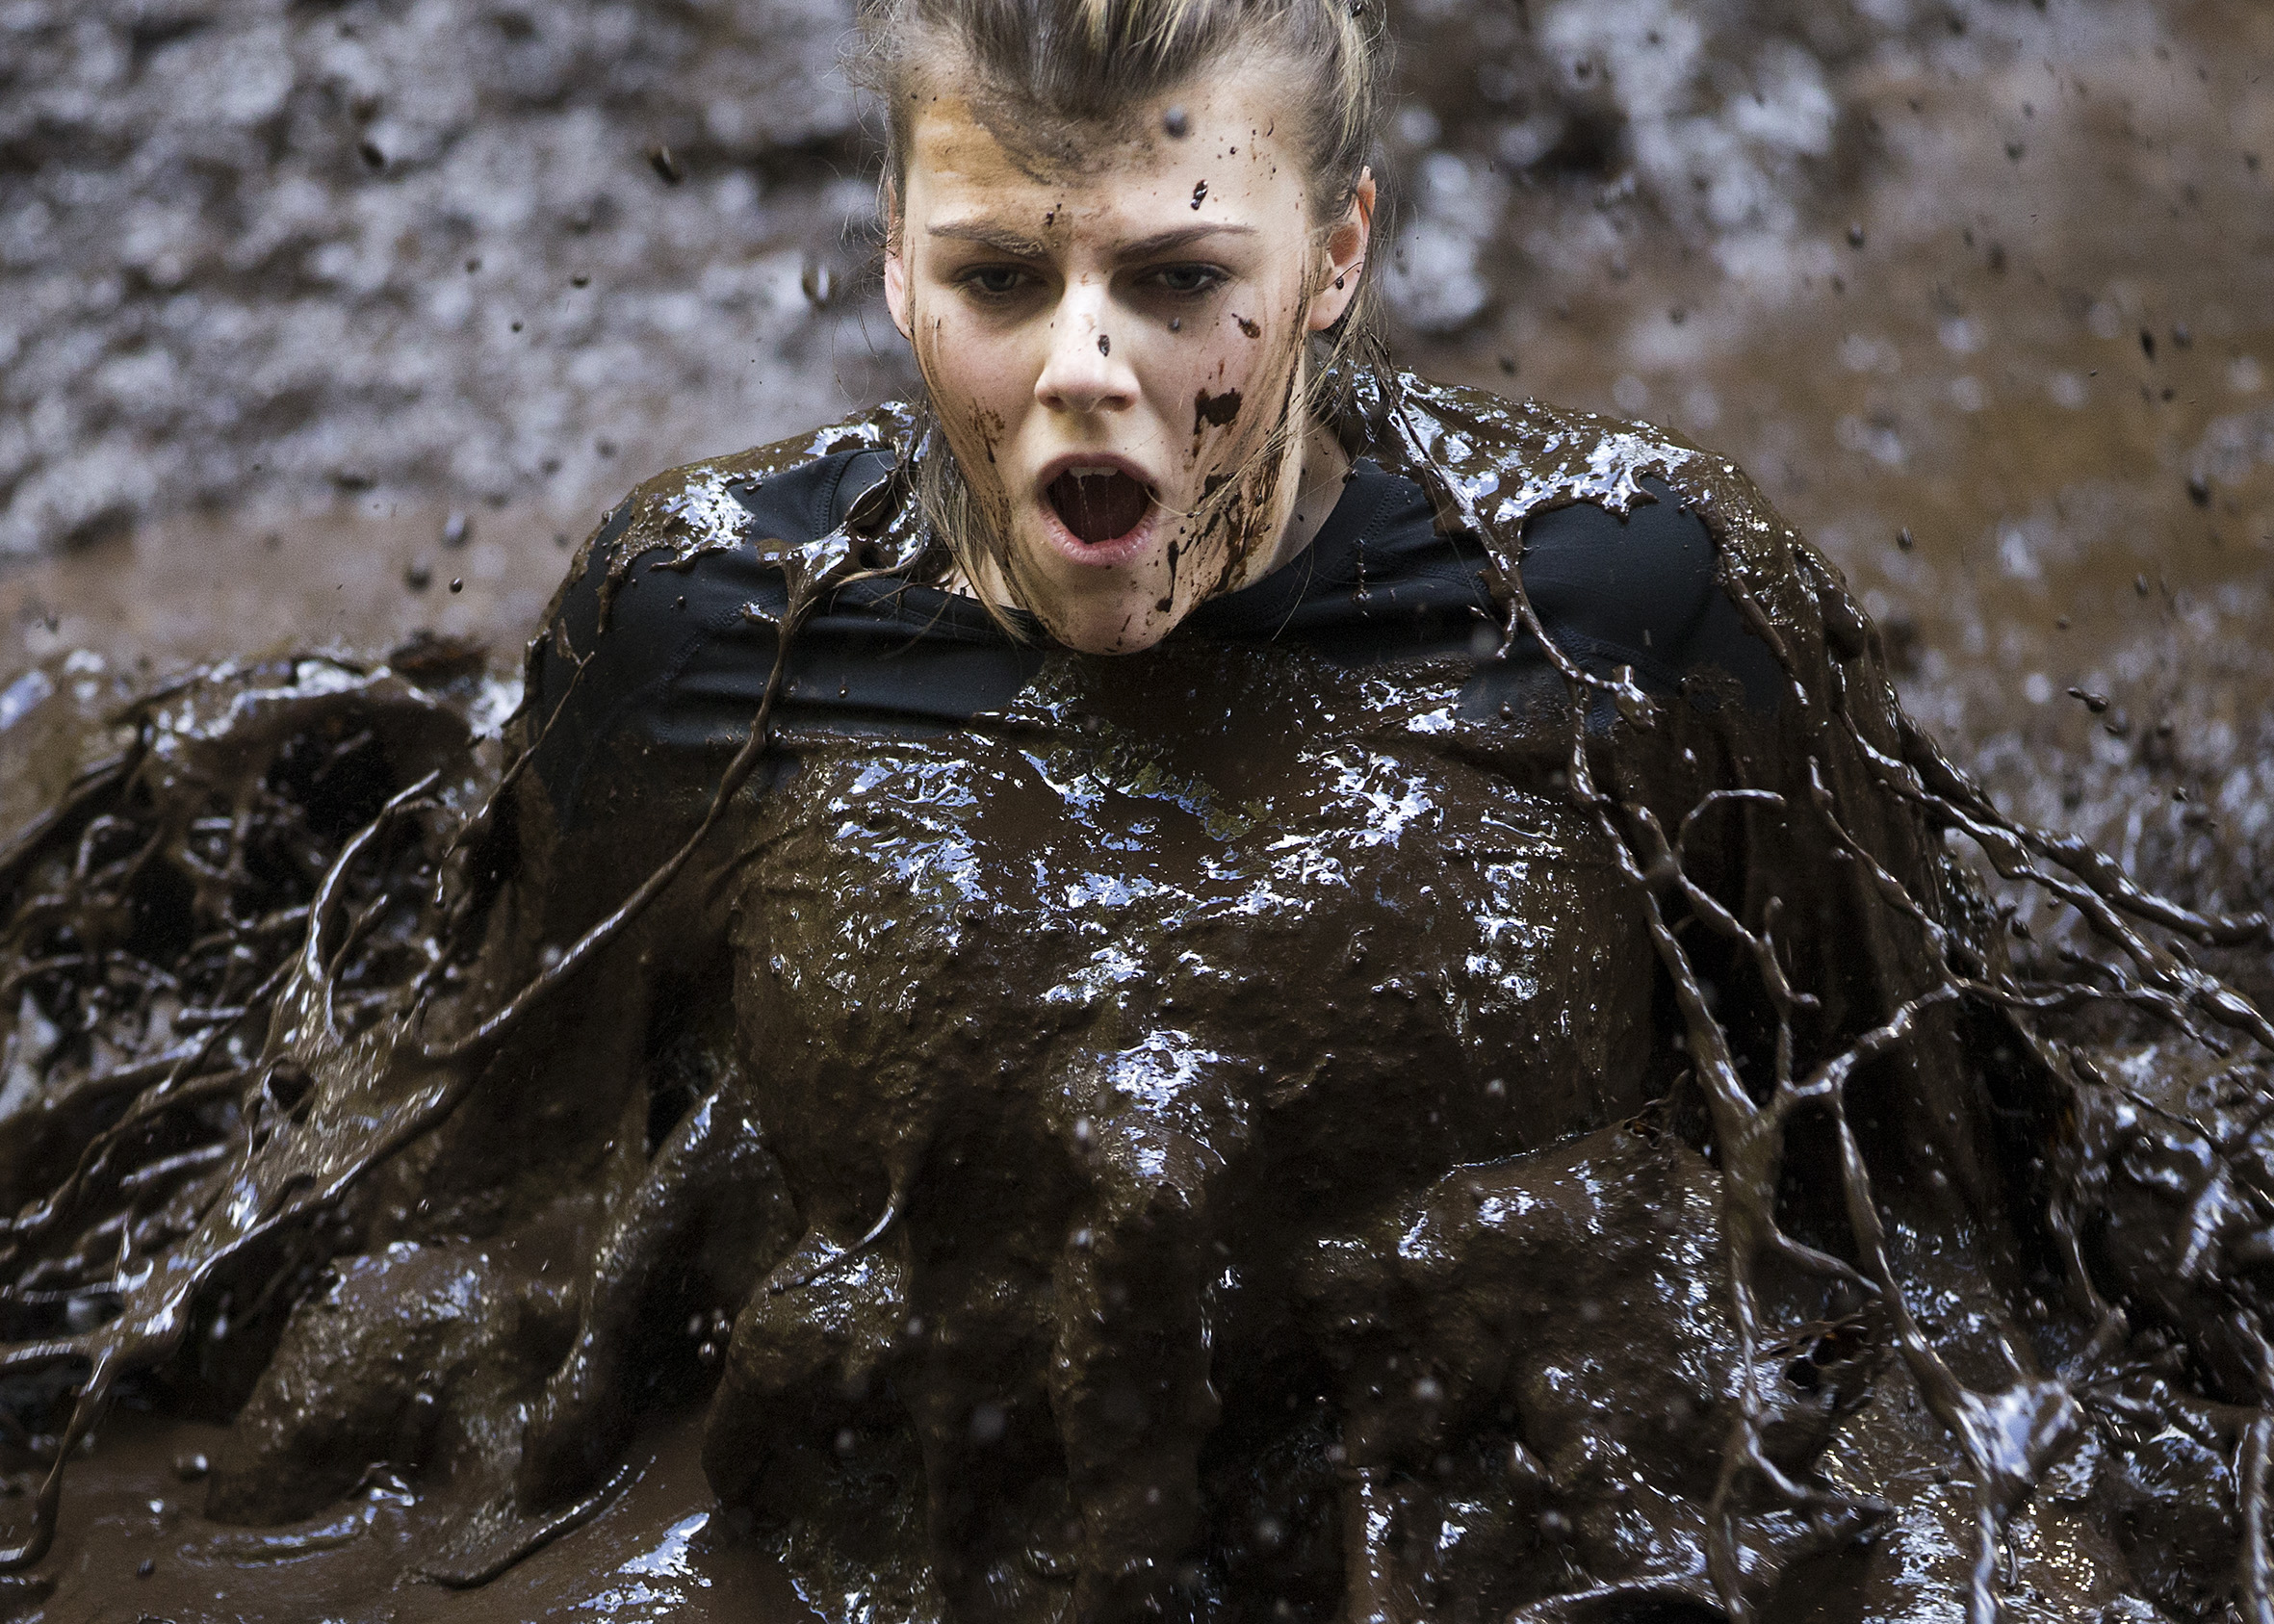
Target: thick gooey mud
1226 1137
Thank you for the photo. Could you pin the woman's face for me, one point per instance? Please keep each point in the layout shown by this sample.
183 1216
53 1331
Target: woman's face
1111 334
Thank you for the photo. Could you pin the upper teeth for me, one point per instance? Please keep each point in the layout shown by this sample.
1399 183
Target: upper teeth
1092 471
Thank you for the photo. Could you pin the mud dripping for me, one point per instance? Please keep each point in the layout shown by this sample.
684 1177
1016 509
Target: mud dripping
1425 1141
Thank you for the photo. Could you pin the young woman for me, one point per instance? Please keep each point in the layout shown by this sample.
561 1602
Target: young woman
1110 854
1195 978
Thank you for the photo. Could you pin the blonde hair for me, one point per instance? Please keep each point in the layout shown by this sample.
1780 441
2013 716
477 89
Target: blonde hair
1069 66
1055 73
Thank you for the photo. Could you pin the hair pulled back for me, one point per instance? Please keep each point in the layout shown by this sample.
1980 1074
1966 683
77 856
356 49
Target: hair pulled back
1068 67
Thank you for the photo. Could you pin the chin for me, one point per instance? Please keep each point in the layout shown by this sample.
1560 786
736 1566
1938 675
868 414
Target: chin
1094 609
1125 624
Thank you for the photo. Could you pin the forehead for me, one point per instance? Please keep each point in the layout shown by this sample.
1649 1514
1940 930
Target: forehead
1235 160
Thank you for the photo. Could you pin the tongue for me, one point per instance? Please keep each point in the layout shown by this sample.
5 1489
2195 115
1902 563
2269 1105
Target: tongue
1101 506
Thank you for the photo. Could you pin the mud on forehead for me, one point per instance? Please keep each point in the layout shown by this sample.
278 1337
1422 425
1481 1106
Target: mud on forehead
1124 121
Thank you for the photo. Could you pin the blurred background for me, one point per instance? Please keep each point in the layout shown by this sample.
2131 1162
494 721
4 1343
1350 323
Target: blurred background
326 321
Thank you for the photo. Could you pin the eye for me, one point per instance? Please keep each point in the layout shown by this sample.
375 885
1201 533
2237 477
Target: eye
993 281
1186 281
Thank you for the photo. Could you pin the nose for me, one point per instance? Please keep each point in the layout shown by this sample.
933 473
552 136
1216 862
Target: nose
1081 373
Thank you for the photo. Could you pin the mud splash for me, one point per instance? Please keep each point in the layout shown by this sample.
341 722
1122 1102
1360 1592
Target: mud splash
1557 1157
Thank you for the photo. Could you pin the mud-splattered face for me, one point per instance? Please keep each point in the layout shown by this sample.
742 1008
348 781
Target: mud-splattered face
1111 334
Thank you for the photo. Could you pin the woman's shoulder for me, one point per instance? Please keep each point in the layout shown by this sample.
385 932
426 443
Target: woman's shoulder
1637 515
1517 460
783 496
673 589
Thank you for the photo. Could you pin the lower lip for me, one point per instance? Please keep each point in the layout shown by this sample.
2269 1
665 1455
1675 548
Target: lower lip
1101 555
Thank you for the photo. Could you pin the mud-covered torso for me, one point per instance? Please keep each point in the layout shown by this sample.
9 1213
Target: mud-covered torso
1270 896
1302 890
1116 1131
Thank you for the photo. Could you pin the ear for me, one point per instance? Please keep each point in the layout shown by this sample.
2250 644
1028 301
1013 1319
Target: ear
1346 257
896 279
895 265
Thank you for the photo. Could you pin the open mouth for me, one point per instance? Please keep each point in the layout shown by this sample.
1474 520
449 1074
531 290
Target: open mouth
1099 505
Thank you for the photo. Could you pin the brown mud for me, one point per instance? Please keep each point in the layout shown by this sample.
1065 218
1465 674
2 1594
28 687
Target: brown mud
1566 1161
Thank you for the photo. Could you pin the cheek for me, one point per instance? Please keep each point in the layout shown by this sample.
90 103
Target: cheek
1224 394
965 364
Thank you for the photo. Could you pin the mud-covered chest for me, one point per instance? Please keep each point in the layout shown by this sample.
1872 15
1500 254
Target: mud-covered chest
1257 852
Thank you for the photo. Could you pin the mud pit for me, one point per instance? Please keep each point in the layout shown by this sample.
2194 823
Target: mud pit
2096 497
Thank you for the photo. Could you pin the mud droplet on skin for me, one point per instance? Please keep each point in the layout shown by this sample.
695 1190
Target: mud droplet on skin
665 166
458 584
1176 122
1904 539
1199 193
1104 345
1251 328
1214 410
1176 324
1855 235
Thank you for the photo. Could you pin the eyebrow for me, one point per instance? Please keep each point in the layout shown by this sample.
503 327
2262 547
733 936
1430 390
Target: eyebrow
994 237
1184 236
1020 247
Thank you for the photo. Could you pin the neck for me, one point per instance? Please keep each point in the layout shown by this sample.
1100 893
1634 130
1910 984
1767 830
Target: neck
1310 486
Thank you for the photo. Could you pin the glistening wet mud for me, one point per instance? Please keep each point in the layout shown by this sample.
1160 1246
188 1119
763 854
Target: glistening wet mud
1558 1150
